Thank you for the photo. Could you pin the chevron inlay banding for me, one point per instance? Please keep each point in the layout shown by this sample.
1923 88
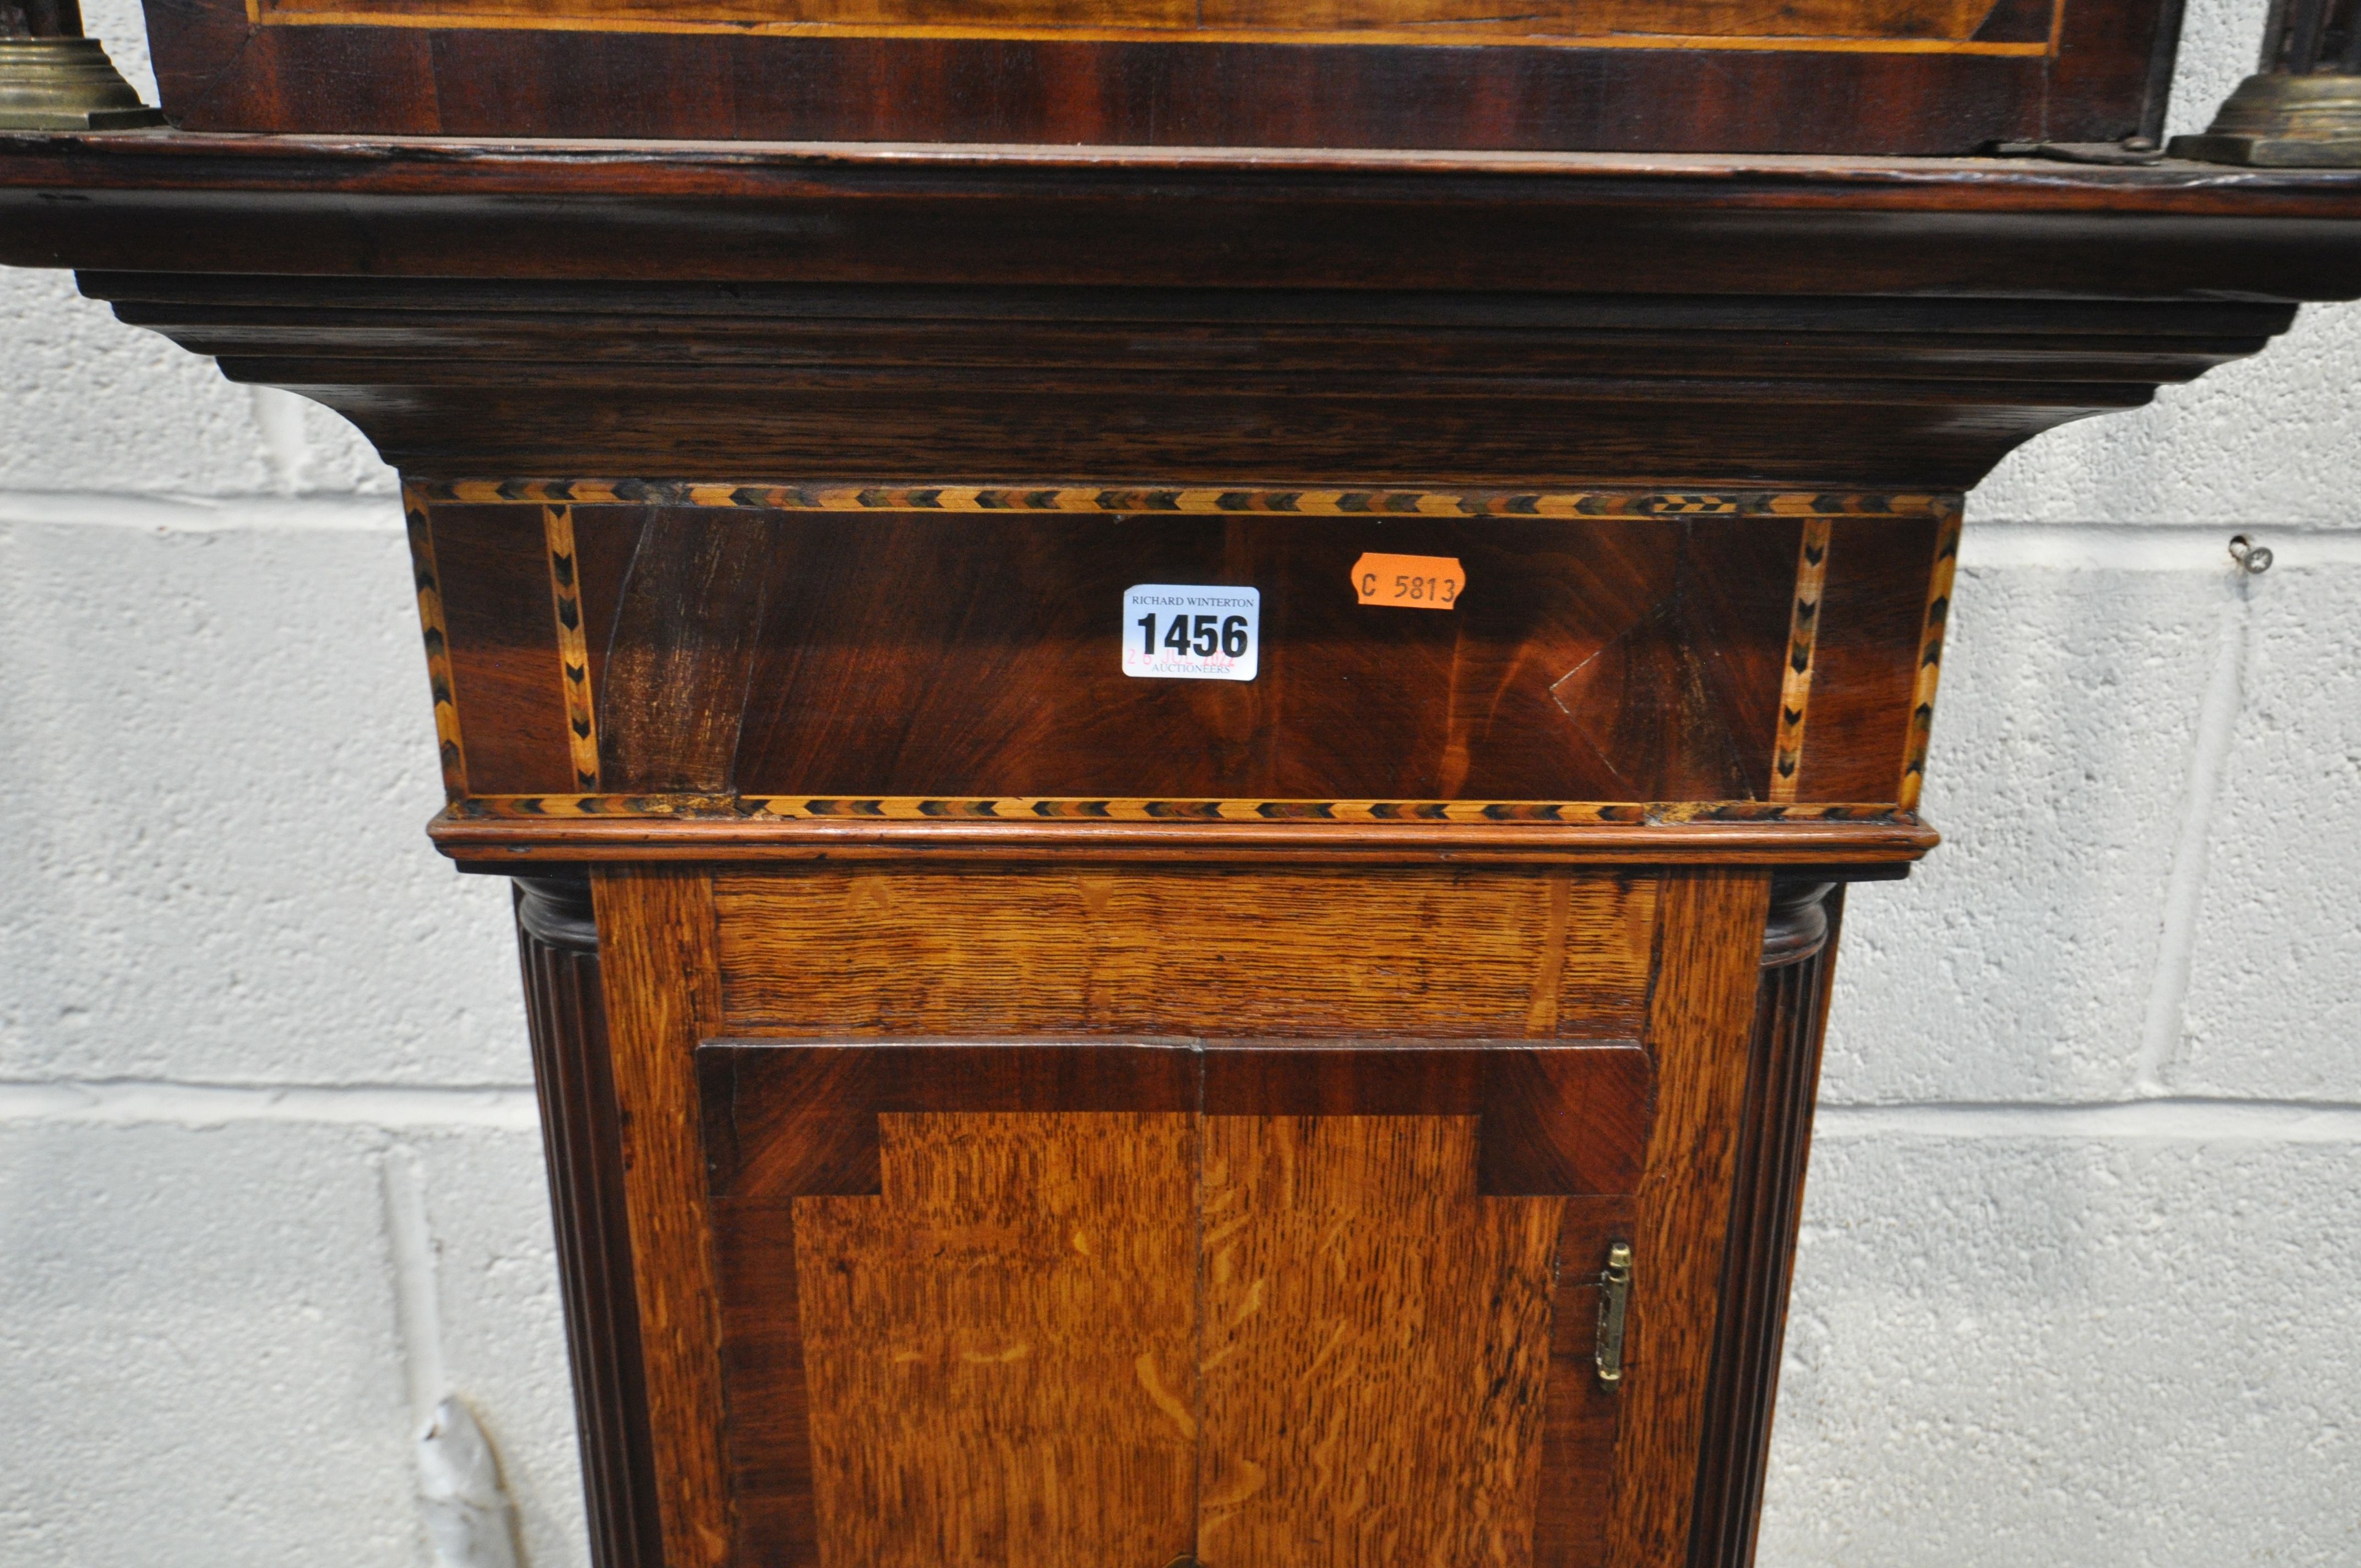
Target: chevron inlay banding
438 642
1045 808
1179 501
1930 658
572 647
1795 679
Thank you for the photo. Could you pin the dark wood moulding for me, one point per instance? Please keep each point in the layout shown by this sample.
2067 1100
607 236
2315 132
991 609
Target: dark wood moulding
1141 316
498 846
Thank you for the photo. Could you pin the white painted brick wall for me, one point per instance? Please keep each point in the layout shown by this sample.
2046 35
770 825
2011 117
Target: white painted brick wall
2082 1249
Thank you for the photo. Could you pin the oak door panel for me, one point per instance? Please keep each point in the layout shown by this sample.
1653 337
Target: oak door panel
1108 1302
958 1298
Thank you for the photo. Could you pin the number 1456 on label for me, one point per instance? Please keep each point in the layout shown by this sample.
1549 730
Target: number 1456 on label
1191 632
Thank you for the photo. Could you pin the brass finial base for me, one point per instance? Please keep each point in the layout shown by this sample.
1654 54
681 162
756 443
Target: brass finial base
2284 121
66 84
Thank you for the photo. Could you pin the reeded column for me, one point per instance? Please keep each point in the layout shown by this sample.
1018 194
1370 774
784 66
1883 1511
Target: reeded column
1791 1015
558 943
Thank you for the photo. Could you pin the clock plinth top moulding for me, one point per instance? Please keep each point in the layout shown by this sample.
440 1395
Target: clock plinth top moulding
971 1073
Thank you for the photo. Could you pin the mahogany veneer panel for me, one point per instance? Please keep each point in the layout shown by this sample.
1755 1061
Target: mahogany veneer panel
806 661
1955 20
1916 76
1434 952
1860 725
934 657
504 646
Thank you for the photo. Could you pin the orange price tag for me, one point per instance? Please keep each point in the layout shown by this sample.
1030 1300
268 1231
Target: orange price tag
1409 582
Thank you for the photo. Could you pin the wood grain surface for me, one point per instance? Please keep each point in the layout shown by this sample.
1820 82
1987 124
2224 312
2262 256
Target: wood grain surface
1377 1346
1662 24
784 1123
922 950
573 1077
1914 76
1559 1118
756 662
1045 1303
1001 1351
655 939
1582 1418
1775 1138
504 665
492 843
768 654
1700 1014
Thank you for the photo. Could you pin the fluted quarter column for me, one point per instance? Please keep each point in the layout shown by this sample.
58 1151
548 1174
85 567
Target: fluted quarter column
558 943
1775 1137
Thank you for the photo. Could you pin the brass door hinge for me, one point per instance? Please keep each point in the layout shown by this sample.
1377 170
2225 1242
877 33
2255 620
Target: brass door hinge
1614 1302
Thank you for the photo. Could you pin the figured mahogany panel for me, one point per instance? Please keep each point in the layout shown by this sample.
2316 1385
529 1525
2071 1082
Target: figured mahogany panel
1873 602
1432 952
1663 24
687 617
782 659
928 656
494 567
1883 76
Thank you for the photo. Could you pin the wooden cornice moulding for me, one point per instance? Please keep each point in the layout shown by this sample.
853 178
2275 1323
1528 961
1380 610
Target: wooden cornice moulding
1333 387
1253 216
495 845
699 312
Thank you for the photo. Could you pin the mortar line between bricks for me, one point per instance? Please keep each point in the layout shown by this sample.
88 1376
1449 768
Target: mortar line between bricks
335 511
127 1102
2182 1120
2162 547
1994 544
124 1102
